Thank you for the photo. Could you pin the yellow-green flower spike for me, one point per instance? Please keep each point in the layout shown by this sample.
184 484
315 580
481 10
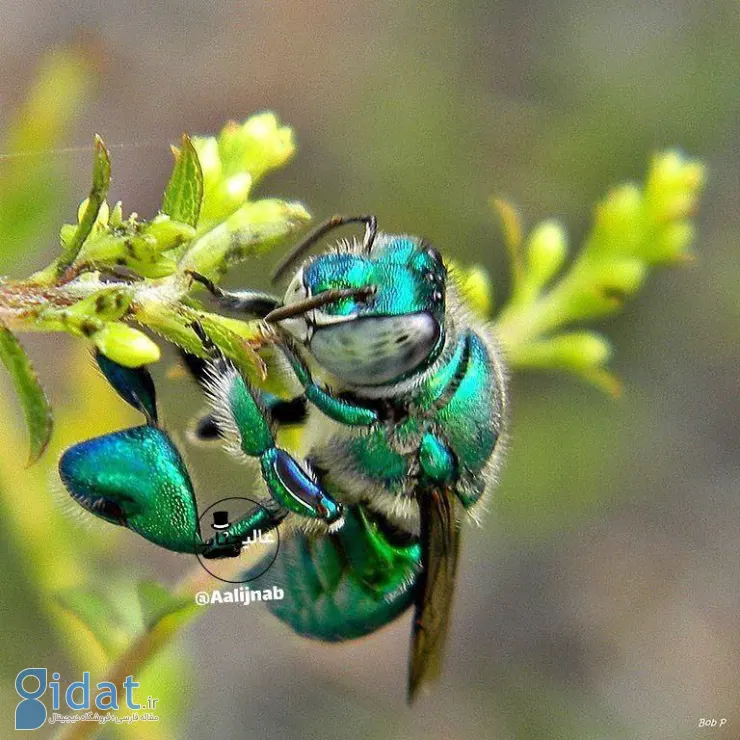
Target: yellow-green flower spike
634 229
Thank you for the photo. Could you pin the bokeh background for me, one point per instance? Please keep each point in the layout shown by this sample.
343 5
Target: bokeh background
601 598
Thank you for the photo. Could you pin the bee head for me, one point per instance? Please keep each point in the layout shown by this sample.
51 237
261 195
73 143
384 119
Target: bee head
386 320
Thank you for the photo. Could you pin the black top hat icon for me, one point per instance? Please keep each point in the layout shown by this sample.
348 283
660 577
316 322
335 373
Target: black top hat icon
220 520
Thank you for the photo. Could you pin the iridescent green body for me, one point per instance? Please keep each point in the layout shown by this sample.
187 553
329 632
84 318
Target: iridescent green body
406 403
344 585
448 431
447 436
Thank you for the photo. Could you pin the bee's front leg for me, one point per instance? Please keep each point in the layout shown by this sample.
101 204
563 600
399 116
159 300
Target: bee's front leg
335 408
252 302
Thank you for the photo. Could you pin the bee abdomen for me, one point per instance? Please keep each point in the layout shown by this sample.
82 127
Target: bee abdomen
334 589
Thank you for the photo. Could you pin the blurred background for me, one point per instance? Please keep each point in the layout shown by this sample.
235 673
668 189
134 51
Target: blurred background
601 597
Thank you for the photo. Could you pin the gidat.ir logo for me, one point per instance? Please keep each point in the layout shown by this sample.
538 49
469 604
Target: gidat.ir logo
30 713
32 683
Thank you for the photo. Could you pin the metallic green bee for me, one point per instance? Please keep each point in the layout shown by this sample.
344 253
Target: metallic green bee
404 443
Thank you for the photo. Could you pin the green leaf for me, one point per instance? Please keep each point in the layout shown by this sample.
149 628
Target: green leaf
96 612
157 602
101 181
183 195
35 405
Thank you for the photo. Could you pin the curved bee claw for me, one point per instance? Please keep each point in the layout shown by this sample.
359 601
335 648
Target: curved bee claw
220 546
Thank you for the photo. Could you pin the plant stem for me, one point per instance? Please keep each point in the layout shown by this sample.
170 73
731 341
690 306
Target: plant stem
149 643
21 302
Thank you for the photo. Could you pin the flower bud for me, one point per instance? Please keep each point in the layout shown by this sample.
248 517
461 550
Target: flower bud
570 351
125 345
673 243
108 304
621 277
475 286
672 186
546 252
103 214
266 143
618 222
164 233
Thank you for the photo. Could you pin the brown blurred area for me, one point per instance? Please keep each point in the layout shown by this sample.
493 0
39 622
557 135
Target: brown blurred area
601 597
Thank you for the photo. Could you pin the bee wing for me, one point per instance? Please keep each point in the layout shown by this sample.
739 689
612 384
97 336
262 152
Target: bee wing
440 543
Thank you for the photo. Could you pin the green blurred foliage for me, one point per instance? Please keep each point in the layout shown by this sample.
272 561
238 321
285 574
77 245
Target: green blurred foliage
44 549
29 180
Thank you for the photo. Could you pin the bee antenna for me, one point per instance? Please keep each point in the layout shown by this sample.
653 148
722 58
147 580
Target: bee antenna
321 299
371 230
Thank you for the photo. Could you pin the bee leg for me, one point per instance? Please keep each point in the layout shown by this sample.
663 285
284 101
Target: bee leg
205 429
244 423
135 478
335 408
436 460
133 385
229 542
252 302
